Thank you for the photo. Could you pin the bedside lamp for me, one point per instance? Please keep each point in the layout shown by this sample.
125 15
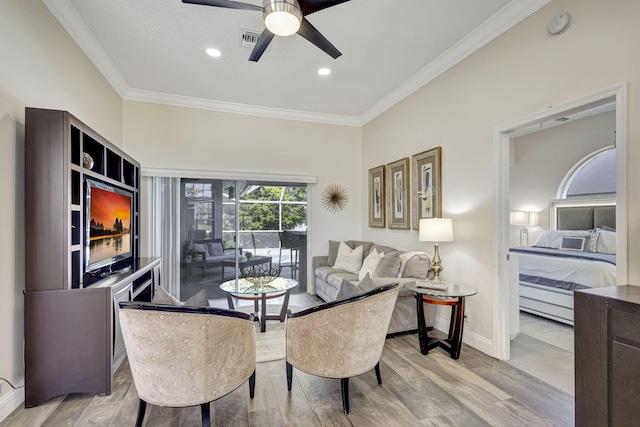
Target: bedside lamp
436 230
522 218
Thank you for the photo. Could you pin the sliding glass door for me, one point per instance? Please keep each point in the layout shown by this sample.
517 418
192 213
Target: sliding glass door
228 225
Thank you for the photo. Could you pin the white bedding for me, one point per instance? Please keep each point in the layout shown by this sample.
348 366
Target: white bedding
593 274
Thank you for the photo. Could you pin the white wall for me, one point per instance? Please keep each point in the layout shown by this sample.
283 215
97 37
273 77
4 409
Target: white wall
190 139
40 66
542 159
522 72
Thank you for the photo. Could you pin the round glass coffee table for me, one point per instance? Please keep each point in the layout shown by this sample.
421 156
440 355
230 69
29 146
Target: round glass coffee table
246 290
452 295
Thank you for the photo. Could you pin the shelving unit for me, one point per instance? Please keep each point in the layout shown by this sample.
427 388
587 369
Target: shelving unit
72 339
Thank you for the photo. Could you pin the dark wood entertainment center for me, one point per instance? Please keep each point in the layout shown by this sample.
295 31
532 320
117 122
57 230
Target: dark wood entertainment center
73 342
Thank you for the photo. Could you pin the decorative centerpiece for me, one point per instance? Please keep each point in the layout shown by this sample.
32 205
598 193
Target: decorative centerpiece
261 274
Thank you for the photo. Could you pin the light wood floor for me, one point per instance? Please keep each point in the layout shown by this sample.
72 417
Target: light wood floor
417 390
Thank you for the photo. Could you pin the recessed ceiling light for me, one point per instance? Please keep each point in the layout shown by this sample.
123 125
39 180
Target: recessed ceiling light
213 52
324 71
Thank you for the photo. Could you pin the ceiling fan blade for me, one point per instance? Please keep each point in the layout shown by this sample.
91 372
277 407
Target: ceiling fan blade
228 4
310 6
310 33
261 45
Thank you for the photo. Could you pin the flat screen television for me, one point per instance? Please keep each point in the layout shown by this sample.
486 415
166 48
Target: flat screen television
109 212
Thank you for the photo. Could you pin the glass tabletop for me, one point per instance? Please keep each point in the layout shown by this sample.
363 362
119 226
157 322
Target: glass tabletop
452 290
243 286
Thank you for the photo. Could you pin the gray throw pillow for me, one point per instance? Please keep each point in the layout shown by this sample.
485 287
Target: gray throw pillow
348 290
366 284
418 266
389 266
333 252
163 297
215 249
385 249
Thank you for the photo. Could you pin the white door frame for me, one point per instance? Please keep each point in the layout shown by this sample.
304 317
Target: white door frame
500 239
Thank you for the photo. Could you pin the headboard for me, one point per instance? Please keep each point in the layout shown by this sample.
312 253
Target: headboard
582 214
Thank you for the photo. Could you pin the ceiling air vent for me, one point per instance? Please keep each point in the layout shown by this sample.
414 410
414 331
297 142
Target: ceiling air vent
250 37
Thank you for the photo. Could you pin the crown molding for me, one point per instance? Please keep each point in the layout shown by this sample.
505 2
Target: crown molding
506 18
72 22
234 108
503 20
233 175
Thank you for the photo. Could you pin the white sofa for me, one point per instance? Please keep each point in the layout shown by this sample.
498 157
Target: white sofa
328 280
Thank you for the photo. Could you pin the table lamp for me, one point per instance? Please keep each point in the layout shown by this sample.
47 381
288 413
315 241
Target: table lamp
436 230
521 218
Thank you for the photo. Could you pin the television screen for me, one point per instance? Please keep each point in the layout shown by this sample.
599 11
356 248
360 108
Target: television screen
109 228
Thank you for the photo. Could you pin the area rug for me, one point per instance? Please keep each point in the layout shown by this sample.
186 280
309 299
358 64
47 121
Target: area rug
270 345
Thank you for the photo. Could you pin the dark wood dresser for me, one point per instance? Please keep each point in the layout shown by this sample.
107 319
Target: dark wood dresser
607 356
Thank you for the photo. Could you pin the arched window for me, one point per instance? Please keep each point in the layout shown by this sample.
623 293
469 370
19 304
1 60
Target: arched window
592 177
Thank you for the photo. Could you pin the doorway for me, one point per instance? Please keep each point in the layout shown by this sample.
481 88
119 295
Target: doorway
504 301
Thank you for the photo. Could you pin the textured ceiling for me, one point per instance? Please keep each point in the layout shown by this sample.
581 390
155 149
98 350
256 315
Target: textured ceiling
154 50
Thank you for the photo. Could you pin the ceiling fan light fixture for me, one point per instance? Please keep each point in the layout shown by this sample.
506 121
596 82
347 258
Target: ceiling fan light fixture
282 17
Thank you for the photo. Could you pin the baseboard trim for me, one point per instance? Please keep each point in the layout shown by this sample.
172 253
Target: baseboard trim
10 402
470 338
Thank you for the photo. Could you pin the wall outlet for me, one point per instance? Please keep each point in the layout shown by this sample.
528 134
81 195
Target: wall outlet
466 315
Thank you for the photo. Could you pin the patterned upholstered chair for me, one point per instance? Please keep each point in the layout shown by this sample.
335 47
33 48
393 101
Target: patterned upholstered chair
185 356
342 338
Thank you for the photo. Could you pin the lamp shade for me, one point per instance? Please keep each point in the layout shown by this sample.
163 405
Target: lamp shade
436 230
282 17
520 218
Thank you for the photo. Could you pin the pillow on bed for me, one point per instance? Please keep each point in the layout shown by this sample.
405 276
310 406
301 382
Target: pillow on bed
553 238
606 242
571 243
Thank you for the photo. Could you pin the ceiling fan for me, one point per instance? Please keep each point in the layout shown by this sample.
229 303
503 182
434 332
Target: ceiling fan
283 18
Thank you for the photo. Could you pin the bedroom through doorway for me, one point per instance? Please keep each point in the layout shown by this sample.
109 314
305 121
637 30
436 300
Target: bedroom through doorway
539 156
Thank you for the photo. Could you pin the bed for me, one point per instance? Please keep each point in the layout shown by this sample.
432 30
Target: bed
578 253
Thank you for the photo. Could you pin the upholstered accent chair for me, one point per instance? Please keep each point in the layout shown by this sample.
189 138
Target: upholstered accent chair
185 356
342 338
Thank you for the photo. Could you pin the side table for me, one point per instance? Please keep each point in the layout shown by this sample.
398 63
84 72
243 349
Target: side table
453 296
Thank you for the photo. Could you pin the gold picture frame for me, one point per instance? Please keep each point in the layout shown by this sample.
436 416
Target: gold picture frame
427 186
398 214
377 201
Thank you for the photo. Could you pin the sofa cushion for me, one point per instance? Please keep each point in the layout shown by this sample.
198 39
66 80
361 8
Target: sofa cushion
349 259
336 279
200 247
416 264
366 246
215 249
370 264
389 265
163 297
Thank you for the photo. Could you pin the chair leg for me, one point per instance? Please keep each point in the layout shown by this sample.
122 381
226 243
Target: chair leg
142 407
206 414
344 385
378 374
289 375
252 385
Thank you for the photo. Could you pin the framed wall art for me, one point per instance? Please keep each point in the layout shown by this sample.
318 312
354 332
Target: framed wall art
377 197
398 215
427 189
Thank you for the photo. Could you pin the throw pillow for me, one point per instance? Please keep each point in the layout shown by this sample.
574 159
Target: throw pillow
349 259
606 242
366 284
370 264
592 241
348 290
215 249
389 266
417 266
200 248
163 297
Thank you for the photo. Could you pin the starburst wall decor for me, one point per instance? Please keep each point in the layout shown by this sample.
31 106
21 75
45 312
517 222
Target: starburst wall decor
335 198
